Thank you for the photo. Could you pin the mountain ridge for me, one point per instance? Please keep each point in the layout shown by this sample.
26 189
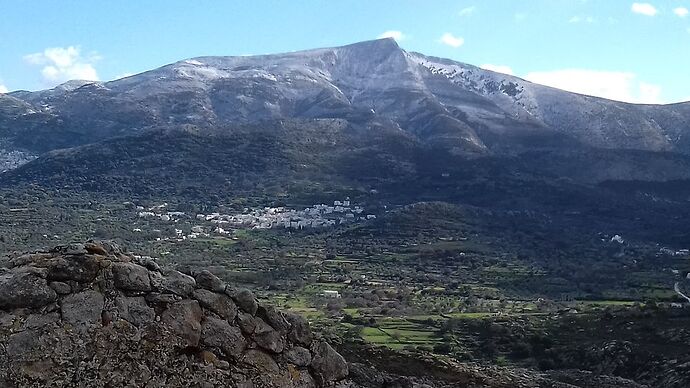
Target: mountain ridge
443 102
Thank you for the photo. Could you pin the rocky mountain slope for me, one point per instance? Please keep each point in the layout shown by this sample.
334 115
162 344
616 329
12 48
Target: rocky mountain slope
325 116
442 102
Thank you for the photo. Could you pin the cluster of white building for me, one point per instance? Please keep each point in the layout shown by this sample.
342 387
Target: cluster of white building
157 212
672 252
317 216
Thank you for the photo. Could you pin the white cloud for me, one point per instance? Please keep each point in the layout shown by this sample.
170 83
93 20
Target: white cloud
620 86
578 19
498 68
450 40
644 9
681 12
649 93
520 16
467 11
60 64
3 89
397 35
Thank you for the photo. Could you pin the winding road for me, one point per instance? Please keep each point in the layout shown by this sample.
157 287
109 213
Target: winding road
676 288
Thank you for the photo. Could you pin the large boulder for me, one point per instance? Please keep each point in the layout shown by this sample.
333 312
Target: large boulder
205 279
25 287
300 331
60 287
81 269
327 365
83 309
267 337
220 304
131 277
245 300
274 318
262 361
184 319
247 322
298 355
218 333
135 310
173 282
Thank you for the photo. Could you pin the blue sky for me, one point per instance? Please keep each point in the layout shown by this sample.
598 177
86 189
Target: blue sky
625 50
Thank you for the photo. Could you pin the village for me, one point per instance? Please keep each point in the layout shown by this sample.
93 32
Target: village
316 216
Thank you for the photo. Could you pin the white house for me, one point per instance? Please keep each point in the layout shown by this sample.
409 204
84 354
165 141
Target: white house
331 294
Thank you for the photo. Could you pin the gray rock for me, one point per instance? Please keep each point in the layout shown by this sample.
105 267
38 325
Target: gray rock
131 277
300 331
274 318
80 268
246 322
245 300
97 334
37 321
155 298
267 337
327 365
74 249
209 281
82 309
298 355
174 282
261 361
22 343
184 319
148 262
220 334
6 320
60 287
220 304
25 287
135 310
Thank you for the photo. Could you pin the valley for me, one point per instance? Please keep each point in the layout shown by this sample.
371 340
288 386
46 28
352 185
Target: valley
427 278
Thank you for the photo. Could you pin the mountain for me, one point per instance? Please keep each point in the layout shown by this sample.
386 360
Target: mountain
367 117
441 102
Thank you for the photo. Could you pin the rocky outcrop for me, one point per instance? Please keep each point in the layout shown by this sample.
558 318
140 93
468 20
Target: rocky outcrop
89 315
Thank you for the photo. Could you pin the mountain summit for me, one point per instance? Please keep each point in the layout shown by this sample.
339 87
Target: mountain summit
441 102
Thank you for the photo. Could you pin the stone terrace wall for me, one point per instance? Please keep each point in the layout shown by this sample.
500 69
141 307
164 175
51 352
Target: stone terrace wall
88 315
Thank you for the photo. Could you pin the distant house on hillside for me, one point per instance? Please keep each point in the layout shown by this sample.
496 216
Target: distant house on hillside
331 294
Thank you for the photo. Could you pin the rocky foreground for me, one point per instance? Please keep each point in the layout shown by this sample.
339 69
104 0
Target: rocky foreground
89 315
